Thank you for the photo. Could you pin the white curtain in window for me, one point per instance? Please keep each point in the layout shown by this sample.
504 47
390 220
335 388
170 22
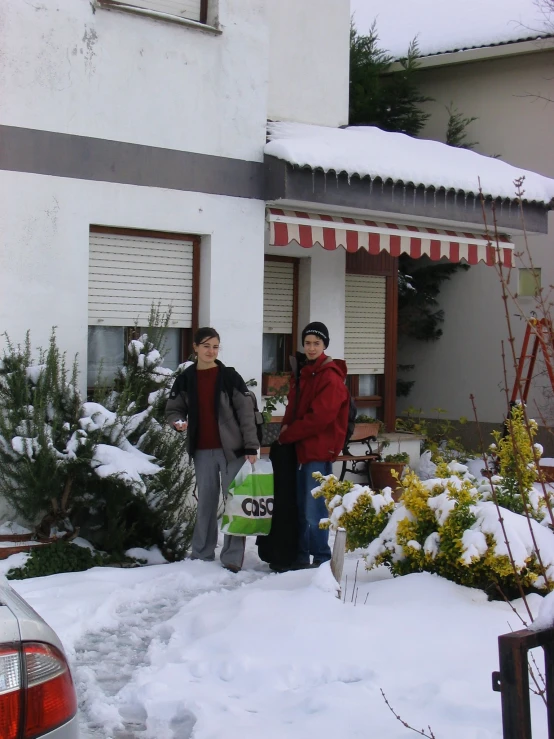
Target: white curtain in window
105 353
270 350
171 348
367 385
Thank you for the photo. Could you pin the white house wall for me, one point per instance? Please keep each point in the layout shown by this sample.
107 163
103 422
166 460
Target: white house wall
321 285
45 221
514 124
309 61
72 68
100 80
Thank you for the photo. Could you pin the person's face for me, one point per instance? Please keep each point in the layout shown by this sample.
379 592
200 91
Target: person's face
207 350
313 346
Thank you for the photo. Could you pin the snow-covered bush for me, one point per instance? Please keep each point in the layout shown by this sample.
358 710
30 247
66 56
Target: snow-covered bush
359 510
111 469
45 456
447 526
132 416
60 556
516 463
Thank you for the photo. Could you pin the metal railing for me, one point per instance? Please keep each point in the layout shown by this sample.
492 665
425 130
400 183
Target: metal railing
512 680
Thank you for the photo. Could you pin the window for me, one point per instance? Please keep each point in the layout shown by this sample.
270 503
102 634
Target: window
280 313
364 341
367 385
185 10
529 282
107 347
129 271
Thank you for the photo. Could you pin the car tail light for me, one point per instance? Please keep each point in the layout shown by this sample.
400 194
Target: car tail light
41 699
10 692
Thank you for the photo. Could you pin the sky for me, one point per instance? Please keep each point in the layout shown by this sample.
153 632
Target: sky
443 25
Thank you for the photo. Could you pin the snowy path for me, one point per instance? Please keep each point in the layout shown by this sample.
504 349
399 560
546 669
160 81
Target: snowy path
191 651
106 660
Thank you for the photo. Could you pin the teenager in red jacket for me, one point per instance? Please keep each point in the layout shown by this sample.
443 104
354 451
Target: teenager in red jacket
315 421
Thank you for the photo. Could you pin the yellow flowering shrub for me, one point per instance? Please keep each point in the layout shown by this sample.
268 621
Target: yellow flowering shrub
361 512
443 526
516 461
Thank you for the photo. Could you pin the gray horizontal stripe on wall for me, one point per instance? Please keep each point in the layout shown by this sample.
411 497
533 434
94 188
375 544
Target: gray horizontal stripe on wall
85 158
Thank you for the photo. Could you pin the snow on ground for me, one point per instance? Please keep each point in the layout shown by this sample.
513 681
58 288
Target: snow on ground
368 151
190 650
454 25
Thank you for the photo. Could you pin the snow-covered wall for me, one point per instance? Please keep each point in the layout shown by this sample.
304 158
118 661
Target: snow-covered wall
309 61
70 67
44 222
515 124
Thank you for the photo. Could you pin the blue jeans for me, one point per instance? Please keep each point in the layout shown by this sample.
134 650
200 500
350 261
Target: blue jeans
312 540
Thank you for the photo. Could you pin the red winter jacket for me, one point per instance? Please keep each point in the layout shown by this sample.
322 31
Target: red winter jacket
317 423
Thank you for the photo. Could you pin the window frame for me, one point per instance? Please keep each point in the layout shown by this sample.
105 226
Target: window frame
291 340
534 274
383 264
129 7
186 334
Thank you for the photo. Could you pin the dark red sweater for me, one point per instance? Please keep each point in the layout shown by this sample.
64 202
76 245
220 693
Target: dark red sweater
208 430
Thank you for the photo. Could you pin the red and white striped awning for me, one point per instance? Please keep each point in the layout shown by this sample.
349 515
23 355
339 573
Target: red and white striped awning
330 232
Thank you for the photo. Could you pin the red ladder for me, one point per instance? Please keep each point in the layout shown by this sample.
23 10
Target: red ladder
542 336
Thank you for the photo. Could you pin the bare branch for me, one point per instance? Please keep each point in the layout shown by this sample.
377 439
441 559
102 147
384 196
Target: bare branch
421 732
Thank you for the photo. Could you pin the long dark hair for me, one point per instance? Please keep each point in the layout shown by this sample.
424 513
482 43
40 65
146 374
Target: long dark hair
205 333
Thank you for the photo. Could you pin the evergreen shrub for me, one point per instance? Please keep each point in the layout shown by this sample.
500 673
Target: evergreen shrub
110 469
62 556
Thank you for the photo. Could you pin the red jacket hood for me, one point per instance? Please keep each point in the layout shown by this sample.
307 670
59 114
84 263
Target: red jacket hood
324 363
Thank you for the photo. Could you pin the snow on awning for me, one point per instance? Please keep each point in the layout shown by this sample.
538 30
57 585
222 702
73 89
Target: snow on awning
332 232
368 152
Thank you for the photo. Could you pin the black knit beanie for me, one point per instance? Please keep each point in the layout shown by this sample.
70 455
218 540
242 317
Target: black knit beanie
317 329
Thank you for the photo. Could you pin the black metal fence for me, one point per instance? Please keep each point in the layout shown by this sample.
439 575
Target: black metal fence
512 680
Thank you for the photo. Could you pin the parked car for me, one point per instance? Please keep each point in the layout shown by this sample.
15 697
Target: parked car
37 695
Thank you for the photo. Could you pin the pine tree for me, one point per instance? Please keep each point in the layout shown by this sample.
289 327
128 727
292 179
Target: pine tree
456 129
112 470
140 393
419 285
45 455
392 101
389 100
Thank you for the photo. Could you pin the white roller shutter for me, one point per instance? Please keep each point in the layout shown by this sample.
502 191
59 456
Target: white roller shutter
129 273
190 9
364 343
278 297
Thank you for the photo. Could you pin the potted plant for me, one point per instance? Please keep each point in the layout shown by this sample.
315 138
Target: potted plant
275 383
277 396
381 472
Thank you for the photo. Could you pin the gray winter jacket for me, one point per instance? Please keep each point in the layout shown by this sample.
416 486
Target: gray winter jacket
234 411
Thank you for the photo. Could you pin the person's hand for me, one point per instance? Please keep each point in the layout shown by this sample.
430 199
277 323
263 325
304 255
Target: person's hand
283 429
252 458
180 425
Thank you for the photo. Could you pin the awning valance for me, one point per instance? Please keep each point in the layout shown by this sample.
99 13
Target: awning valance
330 232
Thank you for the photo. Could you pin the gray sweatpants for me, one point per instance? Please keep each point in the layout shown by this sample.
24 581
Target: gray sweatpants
213 474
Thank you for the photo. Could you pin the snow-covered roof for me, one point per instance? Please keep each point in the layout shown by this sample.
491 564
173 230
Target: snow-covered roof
442 26
367 151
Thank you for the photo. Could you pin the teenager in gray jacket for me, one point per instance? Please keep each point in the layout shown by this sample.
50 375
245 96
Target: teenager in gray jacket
213 404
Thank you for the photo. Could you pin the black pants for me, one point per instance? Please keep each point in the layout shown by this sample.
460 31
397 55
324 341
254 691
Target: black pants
280 548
